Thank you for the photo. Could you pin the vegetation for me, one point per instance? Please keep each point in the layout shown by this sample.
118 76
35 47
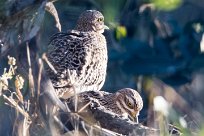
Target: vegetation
154 46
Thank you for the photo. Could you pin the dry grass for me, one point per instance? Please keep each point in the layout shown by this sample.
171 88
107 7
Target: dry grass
34 124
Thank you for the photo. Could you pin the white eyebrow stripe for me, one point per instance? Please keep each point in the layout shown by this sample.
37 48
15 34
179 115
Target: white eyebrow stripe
120 107
131 100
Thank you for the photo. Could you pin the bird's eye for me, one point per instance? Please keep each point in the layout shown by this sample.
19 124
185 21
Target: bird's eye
129 105
100 19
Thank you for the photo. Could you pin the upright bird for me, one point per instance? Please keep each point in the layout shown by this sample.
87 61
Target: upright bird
78 57
126 102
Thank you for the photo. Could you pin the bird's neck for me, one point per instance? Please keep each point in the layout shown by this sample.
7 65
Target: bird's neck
82 28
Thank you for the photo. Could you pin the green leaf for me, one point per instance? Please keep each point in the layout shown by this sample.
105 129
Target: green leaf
167 5
121 32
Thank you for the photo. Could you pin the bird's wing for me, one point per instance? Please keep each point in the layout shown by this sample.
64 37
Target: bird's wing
71 51
96 96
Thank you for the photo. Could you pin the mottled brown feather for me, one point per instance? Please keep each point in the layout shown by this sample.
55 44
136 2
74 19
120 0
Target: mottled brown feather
109 101
83 53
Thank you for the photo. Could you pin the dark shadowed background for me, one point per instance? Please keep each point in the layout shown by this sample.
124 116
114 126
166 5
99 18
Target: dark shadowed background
154 46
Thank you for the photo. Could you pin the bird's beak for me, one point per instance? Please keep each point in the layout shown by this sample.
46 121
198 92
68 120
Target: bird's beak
136 120
105 27
135 116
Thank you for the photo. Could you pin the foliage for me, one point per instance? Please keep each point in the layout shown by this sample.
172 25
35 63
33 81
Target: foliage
153 45
167 4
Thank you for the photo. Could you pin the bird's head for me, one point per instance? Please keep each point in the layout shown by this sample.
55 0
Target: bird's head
91 20
130 102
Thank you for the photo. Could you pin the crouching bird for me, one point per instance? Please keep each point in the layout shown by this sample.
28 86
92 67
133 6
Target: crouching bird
125 103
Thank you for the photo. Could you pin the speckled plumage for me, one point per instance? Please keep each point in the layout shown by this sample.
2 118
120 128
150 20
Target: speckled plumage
82 53
125 102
